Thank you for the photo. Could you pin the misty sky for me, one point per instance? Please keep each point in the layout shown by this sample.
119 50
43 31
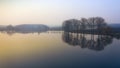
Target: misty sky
54 12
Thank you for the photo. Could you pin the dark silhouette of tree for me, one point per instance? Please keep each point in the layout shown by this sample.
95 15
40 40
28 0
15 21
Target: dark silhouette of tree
84 24
75 30
91 25
10 28
100 22
96 44
71 25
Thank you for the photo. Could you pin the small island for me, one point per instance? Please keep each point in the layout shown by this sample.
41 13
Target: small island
92 25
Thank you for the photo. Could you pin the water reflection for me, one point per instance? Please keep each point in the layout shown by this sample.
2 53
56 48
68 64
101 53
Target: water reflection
47 50
93 42
10 33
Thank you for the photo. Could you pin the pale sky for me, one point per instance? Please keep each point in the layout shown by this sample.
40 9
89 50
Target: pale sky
54 12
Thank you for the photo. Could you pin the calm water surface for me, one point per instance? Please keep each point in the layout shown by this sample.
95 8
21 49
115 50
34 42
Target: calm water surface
58 50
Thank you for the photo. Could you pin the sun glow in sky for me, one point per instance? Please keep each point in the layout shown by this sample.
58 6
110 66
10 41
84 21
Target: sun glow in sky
54 12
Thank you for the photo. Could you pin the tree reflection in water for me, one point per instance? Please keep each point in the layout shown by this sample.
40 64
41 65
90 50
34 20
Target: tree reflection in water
93 42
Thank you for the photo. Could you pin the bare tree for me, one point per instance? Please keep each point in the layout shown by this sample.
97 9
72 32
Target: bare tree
91 22
100 22
84 23
71 25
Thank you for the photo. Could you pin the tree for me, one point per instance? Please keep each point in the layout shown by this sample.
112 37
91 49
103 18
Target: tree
66 25
9 28
84 23
71 25
100 22
95 24
91 22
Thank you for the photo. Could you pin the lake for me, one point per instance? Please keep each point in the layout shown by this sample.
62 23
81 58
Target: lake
56 49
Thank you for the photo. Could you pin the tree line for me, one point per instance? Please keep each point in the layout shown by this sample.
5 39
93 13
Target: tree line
91 24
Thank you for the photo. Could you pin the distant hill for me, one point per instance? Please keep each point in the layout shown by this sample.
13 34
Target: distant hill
114 25
2 27
31 27
25 28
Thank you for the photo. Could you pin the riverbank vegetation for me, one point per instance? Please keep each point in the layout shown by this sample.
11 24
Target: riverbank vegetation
95 25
